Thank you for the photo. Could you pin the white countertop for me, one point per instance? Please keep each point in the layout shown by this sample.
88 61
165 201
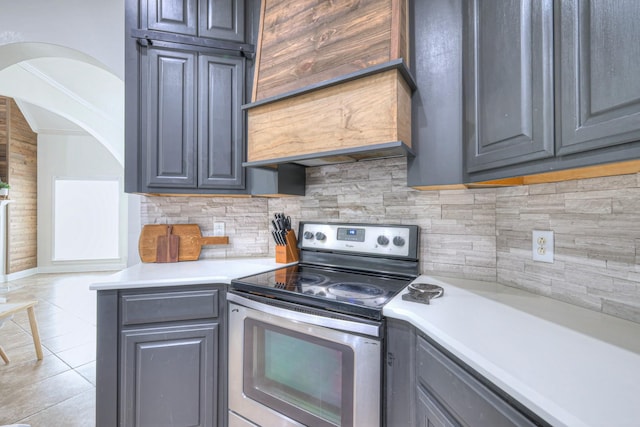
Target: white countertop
571 366
146 275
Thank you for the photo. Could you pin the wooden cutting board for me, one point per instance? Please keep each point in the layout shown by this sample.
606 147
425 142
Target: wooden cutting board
168 246
190 241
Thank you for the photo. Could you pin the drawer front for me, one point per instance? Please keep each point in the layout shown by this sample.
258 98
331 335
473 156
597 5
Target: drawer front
461 393
168 306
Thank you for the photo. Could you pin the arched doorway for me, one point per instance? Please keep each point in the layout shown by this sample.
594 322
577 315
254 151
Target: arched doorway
76 105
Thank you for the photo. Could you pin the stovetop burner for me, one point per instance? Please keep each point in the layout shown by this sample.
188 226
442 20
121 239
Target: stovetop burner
334 289
299 278
355 290
345 268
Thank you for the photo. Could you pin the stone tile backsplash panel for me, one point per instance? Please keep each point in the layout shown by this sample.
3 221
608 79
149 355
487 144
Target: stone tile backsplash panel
596 225
482 234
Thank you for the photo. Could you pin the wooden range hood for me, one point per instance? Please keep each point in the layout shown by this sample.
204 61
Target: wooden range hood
331 83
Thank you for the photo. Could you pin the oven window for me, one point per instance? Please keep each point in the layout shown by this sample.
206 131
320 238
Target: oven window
304 377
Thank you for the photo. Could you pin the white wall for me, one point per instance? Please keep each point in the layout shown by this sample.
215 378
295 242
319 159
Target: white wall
94 27
74 156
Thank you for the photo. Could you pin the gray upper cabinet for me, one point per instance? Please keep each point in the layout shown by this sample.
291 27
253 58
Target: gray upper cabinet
169 111
437 104
508 82
187 70
598 87
509 88
222 19
193 133
175 16
184 124
220 124
218 19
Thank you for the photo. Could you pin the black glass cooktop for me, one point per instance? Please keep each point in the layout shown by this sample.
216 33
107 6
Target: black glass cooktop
342 291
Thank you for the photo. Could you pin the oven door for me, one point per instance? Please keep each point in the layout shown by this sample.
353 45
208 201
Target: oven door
286 370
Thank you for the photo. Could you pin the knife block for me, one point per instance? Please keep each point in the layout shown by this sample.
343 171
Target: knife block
288 253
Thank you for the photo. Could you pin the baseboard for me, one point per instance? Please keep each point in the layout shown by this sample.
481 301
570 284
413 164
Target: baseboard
20 274
83 268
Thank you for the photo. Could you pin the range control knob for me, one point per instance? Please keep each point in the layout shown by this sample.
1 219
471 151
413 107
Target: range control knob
383 240
398 241
320 236
308 235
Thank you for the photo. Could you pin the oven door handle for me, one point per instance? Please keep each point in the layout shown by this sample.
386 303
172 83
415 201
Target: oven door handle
371 329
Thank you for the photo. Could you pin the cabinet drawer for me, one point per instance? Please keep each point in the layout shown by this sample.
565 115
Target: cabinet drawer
168 306
462 394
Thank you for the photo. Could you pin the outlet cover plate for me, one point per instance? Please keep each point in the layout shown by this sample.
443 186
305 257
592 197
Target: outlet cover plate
218 228
542 246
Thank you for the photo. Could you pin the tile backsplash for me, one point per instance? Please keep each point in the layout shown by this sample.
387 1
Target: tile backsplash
482 234
596 225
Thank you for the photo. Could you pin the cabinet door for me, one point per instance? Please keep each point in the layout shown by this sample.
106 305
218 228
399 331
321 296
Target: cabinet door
508 82
463 395
175 16
220 129
169 99
168 376
599 88
218 19
222 19
430 414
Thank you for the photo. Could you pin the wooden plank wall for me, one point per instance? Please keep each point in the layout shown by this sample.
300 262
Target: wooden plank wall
303 42
4 139
22 249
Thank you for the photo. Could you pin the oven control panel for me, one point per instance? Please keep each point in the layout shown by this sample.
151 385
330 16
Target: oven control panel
383 240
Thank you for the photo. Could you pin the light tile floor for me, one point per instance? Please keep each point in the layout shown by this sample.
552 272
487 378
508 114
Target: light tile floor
60 389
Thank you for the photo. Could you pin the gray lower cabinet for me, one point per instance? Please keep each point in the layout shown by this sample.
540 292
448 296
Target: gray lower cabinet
161 358
168 376
426 387
460 396
430 414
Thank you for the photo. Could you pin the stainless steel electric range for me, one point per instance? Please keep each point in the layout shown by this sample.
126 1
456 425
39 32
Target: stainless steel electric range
305 341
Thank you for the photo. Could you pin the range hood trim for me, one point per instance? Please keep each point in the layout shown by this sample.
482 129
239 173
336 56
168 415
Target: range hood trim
349 155
396 64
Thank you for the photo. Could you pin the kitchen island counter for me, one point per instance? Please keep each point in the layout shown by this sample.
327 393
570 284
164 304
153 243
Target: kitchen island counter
569 365
145 275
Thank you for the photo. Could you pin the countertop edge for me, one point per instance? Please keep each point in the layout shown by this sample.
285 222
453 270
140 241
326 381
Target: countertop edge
149 275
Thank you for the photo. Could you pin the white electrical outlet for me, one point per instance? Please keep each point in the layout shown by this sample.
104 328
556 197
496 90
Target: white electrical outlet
218 228
542 246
